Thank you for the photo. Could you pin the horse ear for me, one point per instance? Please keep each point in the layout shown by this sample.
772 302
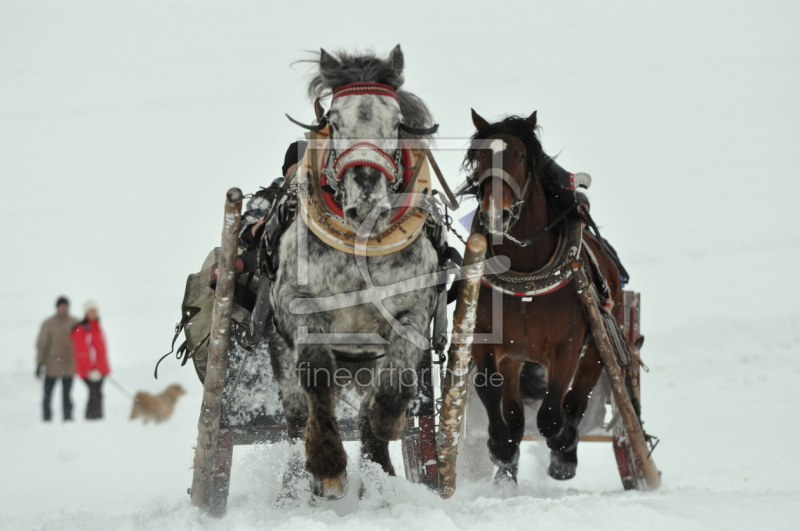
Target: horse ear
397 62
531 120
327 61
478 120
396 58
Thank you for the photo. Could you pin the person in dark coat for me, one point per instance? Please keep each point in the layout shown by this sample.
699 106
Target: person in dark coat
91 360
258 206
54 358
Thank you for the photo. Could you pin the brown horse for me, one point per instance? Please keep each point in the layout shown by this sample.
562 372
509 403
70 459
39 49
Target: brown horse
546 351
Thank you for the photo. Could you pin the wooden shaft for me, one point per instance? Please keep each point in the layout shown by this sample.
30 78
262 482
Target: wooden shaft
211 409
454 389
627 413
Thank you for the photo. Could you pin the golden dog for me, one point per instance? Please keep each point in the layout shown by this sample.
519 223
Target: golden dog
157 408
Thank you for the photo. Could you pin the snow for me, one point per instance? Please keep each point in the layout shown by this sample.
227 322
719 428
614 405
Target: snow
122 124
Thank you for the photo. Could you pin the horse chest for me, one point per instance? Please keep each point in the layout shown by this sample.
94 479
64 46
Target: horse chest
533 330
331 272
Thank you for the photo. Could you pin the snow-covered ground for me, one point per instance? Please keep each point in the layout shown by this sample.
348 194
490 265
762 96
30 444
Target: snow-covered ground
122 124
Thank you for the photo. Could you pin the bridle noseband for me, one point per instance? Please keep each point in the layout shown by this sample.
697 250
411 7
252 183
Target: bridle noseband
518 193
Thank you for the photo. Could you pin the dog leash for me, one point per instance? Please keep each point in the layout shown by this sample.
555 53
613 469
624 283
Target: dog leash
118 386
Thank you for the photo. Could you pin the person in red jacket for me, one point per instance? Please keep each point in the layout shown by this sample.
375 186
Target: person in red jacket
91 362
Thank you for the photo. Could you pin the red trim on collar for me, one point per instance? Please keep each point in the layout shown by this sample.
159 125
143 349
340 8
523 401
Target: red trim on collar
364 88
551 289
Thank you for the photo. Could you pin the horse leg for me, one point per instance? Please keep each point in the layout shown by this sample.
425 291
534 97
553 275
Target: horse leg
503 451
396 382
326 459
293 398
575 402
514 416
373 448
384 412
562 437
295 410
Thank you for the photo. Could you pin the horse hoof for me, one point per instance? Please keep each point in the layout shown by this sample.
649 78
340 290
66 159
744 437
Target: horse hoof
560 469
329 488
506 476
506 470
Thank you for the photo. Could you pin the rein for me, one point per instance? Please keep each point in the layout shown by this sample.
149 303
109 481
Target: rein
559 219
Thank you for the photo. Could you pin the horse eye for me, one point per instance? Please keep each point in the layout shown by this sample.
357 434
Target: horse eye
522 158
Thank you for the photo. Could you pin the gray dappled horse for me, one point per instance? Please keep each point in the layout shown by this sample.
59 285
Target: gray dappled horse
305 370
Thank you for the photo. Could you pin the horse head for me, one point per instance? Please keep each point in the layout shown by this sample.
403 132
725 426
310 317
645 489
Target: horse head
364 121
368 117
503 166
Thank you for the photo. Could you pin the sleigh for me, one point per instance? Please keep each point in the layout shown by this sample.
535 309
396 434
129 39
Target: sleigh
241 407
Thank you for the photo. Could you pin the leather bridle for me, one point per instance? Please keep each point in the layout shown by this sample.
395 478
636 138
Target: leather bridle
362 153
518 193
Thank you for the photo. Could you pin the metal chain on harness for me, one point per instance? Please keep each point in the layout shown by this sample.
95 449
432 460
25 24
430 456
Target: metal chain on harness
448 223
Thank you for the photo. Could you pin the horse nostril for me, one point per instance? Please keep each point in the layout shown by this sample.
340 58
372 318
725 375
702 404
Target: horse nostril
351 213
483 217
506 216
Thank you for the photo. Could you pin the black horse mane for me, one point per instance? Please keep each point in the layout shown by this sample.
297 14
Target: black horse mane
368 68
558 199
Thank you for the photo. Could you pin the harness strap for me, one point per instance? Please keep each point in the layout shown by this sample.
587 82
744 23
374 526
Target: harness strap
279 196
606 303
503 175
452 202
188 313
610 251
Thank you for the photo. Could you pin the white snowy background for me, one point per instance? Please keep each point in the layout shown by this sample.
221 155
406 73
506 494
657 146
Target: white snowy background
122 124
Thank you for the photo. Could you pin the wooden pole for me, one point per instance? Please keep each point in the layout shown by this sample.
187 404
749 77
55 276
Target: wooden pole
627 413
211 410
454 389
